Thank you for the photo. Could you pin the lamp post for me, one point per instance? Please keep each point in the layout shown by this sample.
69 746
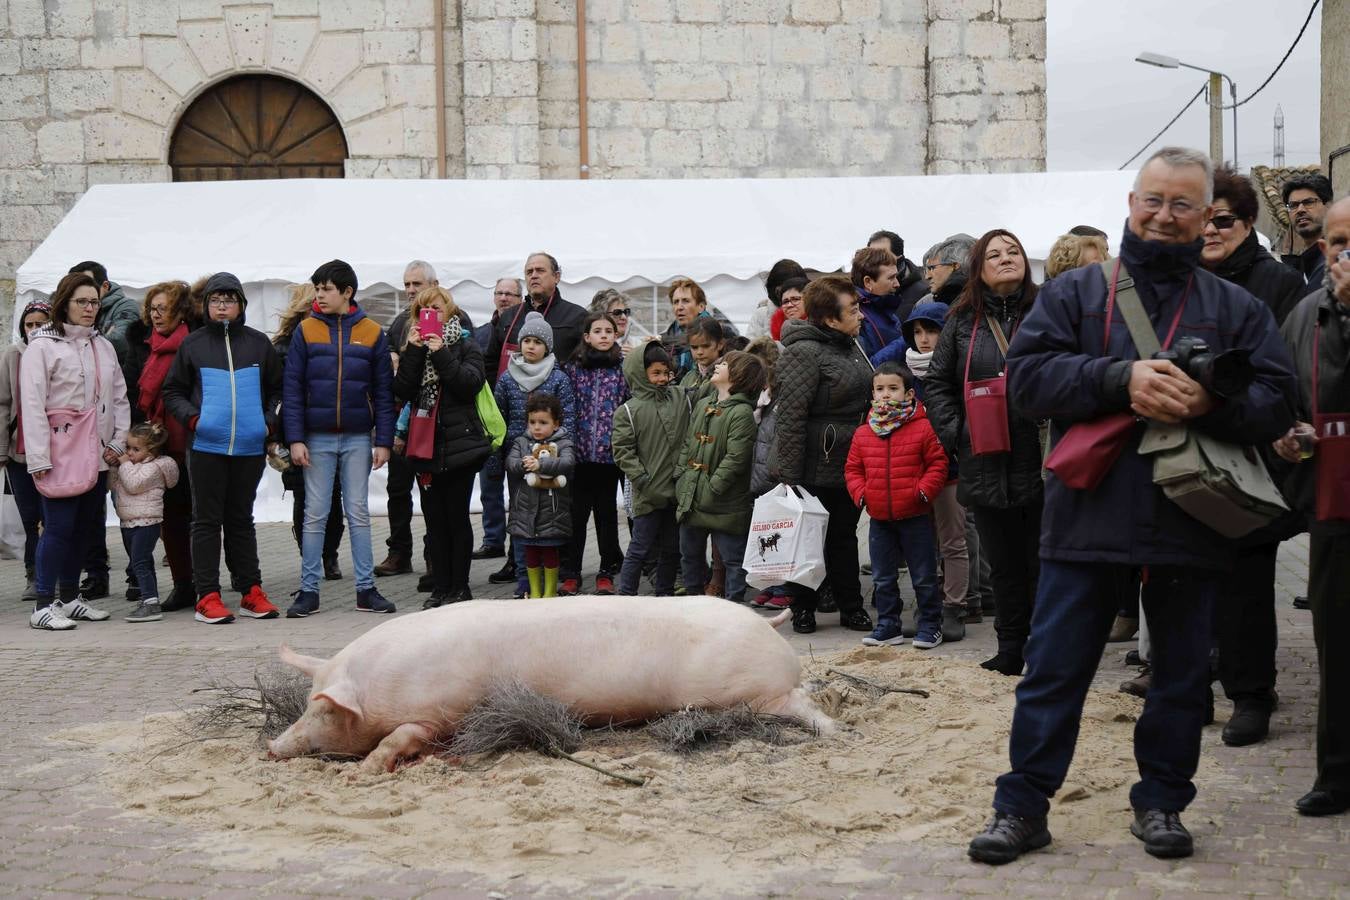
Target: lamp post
1215 100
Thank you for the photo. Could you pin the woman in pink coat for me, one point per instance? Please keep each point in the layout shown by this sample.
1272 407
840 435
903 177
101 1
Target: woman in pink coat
68 365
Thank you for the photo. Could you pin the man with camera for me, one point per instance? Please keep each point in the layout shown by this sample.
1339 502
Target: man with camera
1318 333
1074 361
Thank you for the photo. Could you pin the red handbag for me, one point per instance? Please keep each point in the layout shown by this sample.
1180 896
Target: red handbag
422 433
1088 450
987 403
1332 456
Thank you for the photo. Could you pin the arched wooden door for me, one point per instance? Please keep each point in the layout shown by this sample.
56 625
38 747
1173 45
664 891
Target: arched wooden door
257 126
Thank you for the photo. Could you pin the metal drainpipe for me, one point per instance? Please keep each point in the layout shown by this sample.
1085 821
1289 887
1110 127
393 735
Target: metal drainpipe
440 86
1331 163
583 137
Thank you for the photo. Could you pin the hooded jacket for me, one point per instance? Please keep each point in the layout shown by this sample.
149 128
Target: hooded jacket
714 481
338 378
881 321
58 371
822 390
894 474
225 382
999 480
678 343
598 387
1057 369
540 515
648 436
1265 278
945 296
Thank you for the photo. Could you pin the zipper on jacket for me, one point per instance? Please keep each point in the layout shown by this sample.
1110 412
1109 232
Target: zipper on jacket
338 424
234 404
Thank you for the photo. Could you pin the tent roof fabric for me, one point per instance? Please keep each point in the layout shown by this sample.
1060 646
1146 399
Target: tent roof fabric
614 230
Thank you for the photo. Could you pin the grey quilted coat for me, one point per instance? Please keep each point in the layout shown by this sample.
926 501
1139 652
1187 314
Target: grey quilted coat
822 391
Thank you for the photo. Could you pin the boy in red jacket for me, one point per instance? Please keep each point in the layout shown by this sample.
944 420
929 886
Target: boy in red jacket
896 468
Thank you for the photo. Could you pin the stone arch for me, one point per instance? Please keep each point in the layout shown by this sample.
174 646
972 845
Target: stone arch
257 125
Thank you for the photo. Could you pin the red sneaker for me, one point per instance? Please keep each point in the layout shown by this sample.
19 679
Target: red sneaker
255 605
569 588
211 611
778 601
761 599
604 585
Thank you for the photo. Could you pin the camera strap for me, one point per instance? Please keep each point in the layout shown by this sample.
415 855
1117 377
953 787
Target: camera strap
1132 311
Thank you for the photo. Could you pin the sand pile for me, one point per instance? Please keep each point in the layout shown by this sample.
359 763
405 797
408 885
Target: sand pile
908 768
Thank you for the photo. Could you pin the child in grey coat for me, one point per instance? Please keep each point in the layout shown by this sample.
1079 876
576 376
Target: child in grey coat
541 460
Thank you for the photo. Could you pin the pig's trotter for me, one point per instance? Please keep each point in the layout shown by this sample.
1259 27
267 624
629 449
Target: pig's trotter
796 705
407 741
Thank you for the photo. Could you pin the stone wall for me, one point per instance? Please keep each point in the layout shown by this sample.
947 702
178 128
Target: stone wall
90 91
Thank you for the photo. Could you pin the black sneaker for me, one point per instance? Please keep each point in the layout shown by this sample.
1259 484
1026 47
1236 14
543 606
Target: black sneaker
370 600
426 583
856 620
133 593
460 596
94 587
825 600
1302 602
804 621
1250 721
505 575
1162 833
306 604
436 600
183 596
331 570
1007 837
486 552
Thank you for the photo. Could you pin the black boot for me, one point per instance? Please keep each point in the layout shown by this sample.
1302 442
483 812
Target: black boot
183 596
804 621
331 571
1007 837
953 623
1162 833
856 620
94 587
1250 722
505 575
1005 662
1319 802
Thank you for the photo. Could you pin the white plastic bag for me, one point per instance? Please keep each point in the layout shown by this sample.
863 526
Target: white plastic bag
787 539
12 535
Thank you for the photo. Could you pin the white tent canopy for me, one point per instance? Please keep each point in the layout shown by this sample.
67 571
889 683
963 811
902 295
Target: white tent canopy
633 235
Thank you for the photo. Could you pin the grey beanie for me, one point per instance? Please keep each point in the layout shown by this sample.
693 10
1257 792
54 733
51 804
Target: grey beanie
537 327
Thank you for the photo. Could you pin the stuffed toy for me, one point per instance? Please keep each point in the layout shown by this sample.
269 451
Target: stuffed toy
543 451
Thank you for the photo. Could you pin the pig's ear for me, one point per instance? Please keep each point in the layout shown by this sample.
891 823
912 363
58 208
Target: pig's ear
307 664
342 697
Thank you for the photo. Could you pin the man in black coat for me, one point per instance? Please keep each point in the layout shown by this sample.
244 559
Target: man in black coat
1318 334
1307 197
1092 541
542 275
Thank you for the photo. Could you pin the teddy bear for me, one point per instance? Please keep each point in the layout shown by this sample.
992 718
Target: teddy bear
542 451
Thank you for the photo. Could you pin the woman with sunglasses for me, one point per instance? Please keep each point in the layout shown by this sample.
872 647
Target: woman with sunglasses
608 300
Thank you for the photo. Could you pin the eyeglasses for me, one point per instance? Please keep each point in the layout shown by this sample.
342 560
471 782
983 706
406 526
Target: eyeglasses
87 303
933 266
504 294
222 303
790 301
1223 223
1306 203
159 311
1179 208
625 312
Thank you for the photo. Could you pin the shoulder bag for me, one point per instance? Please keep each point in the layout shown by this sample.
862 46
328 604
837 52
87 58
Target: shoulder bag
987 399
1332 453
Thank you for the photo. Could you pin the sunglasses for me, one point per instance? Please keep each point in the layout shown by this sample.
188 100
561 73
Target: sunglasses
1223 223
625 312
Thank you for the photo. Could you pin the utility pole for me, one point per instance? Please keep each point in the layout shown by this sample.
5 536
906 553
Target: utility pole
1215 118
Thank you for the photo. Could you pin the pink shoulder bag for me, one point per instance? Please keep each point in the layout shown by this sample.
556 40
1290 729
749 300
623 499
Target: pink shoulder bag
74 446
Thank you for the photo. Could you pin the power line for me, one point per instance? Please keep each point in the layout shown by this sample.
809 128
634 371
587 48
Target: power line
1163 130
1272 75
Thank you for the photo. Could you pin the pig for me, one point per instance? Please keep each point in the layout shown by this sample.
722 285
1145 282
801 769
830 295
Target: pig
392 691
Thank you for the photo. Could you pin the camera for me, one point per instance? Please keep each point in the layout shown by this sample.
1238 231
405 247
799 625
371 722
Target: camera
1224 374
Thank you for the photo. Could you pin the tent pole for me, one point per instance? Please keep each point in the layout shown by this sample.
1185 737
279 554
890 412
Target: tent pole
583 139
440 87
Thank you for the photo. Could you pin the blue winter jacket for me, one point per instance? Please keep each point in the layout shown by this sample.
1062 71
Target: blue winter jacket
339 378
511 399
881 321
1057 369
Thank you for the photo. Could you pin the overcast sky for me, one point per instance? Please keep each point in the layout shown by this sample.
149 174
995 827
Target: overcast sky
1103 105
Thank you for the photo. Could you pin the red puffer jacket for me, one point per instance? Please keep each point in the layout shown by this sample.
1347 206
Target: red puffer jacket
890 472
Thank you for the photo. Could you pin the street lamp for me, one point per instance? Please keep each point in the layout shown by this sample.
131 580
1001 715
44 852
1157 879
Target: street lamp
1215 100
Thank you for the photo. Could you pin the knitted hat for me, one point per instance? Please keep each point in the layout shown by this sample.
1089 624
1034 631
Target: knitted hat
536 327
35 306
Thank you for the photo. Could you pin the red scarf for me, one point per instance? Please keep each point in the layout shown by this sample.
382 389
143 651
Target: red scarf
163 348
776 323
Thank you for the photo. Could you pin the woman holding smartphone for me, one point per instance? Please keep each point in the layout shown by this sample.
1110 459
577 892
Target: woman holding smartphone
440 374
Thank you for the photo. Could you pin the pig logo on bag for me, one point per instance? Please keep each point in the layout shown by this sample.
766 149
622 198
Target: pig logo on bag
768 543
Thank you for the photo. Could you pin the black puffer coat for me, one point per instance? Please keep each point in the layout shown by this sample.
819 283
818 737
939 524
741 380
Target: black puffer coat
1265 277
822 391
999 480
460 438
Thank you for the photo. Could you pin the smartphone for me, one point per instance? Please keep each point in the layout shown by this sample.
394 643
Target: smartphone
428 322
1344 256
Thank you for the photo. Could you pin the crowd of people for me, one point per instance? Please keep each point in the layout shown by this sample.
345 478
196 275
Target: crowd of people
926 395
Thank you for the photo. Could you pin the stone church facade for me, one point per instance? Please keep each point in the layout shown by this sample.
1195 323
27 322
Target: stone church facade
155 90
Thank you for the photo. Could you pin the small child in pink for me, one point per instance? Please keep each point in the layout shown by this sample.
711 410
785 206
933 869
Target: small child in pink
138 483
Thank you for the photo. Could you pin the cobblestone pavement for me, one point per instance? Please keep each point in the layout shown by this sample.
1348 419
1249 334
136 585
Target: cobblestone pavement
62 834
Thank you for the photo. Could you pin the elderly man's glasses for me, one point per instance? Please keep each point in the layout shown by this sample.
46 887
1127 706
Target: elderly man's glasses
1179 208
1305 203
931 267
505 294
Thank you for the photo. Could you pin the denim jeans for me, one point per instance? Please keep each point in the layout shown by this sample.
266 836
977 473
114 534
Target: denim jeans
909 541
694 559
140 542
652 533
68 528
344 456
1075 606
29 502
491 485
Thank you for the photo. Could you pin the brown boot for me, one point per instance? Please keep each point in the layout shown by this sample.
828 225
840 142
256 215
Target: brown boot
1138 685
1123 629
394 564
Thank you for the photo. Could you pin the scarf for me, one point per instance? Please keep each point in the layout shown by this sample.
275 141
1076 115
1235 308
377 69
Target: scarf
597 359
527 374
918 362
888 415
163 348
430 391
1160 271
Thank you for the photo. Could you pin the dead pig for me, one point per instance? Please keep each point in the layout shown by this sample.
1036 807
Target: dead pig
396 688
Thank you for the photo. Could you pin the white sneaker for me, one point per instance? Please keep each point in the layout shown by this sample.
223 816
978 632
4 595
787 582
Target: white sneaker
78 609
50 618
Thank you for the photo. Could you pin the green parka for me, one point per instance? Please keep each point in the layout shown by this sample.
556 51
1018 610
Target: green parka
648 435
714 488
